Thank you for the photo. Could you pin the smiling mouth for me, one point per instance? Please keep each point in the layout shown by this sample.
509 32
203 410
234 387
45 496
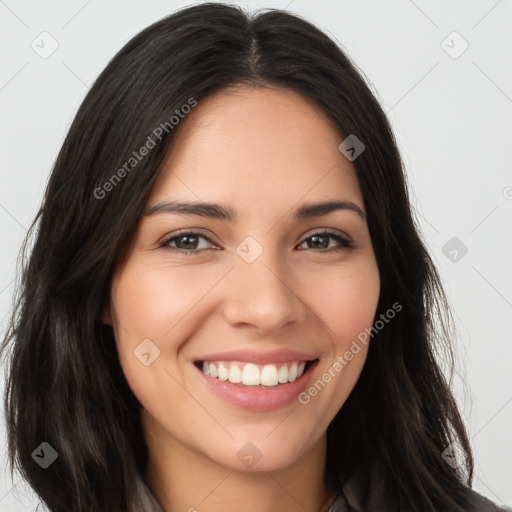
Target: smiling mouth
253 375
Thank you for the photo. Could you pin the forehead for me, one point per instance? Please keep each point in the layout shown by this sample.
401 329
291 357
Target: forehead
260 146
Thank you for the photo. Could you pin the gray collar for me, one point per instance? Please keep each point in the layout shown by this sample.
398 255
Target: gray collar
367 490
149 503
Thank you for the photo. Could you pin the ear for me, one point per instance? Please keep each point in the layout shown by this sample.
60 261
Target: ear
106 317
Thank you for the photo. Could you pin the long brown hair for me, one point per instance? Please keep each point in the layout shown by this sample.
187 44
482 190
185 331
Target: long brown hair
65 385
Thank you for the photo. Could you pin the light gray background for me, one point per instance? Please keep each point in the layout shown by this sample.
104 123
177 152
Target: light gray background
452 118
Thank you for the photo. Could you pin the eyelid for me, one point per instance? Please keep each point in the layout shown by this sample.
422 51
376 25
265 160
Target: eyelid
326 230
187 231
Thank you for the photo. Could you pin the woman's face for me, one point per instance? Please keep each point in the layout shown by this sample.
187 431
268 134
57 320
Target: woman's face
257 292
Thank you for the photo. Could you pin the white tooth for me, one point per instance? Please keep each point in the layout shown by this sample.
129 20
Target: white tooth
213 370
292 372
250 375
235 374
269 375
300 369
205 368
222 372
283 374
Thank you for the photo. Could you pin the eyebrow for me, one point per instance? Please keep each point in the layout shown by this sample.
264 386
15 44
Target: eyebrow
218 211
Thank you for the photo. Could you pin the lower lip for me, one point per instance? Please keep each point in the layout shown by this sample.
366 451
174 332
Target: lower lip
256 398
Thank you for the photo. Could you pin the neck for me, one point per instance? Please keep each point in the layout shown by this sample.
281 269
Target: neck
185 480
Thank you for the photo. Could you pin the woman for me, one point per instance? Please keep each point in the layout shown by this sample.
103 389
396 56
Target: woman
227 305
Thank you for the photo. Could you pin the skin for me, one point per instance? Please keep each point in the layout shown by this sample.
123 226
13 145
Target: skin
263 152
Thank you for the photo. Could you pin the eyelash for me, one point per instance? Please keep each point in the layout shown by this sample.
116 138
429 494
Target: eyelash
344 242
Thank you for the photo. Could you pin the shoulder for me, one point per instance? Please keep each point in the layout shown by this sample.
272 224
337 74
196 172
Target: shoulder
369 489
481 504
478 504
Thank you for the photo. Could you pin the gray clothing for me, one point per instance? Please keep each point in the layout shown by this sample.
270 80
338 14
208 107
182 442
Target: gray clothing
363 492
150 504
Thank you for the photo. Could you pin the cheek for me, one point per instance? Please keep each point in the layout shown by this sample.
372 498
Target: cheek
346 301
151 302
162 304
346 305
157 304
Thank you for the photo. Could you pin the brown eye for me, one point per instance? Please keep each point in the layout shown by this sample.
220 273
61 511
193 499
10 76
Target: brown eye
186 242
321 241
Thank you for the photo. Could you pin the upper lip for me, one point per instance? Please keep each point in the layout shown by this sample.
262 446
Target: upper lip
281 355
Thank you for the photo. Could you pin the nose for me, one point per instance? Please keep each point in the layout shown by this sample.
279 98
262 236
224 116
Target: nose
262 294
